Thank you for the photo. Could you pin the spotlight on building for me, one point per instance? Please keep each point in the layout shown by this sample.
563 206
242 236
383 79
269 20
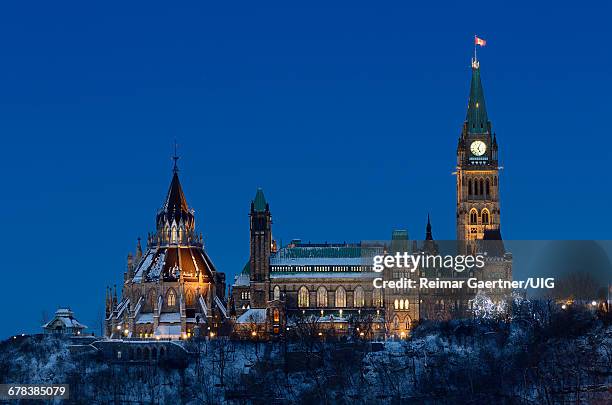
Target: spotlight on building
594 303
563 306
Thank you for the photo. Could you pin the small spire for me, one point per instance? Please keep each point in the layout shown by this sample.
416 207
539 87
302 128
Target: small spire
428 234
175 158
138 249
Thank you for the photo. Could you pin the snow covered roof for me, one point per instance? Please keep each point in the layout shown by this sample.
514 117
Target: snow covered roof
64 317
168 330
145 318
172 317
242 280
253 315
171 261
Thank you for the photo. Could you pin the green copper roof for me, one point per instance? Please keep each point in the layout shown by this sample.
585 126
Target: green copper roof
476 118
260 201
247 268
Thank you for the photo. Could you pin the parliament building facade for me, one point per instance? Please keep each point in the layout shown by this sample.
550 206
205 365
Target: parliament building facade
173 290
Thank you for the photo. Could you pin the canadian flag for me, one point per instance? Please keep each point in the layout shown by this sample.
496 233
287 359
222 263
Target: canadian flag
479 41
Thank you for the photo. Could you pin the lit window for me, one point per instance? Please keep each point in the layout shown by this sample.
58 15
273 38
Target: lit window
340 297
171 299
358 298
276 292
303 300
321 297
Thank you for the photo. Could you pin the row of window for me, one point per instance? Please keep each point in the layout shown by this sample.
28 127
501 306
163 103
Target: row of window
480 187
319 268
171 298
339 297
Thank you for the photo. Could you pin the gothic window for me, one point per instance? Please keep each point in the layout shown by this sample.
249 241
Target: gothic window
173 234
276 315
408 322
276 294
481 187
171 298
470 187
401 304
473 216
476 190
321 297
485 217
406 303
358 298
340 297
487 189
495 181
396 304
303 300
395 322
189 298
377 297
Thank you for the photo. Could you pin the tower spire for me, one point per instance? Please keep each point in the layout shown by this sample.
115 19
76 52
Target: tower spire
175 157
428 234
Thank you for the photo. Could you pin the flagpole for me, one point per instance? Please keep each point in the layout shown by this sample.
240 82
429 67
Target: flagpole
475 58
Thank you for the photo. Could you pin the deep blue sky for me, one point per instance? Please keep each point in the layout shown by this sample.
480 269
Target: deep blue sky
347 115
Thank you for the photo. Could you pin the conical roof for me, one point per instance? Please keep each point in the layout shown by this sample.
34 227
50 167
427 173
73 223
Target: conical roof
476 117
259 203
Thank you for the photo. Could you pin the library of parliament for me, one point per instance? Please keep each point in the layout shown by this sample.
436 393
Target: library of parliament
172 290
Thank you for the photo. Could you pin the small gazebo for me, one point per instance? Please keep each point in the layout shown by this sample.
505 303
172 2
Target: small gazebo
64 323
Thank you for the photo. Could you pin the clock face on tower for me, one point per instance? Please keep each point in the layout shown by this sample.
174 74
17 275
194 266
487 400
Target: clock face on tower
478 148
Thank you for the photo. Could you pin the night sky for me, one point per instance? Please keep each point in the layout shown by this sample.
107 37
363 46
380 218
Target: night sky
347 115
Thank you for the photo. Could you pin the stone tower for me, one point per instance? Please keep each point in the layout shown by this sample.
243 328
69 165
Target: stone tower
477 168
261 247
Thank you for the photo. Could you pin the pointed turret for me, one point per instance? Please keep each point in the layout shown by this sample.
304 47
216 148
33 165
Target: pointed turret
428 234
138 250
175 216
476 118
259 203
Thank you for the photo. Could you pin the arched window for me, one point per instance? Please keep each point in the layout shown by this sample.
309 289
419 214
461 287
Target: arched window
473 217
321 297
340 297
377 297
395 322
396 304
303 300
401 304
154 353
408 322
406 304
481 187
485 216
470 187
171 298
276 294
173 234
189 298
487 188
358 298
162 352
276 315
495 181
476 190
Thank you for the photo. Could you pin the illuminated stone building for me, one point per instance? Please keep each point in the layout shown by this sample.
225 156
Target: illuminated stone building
334 282
173 290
